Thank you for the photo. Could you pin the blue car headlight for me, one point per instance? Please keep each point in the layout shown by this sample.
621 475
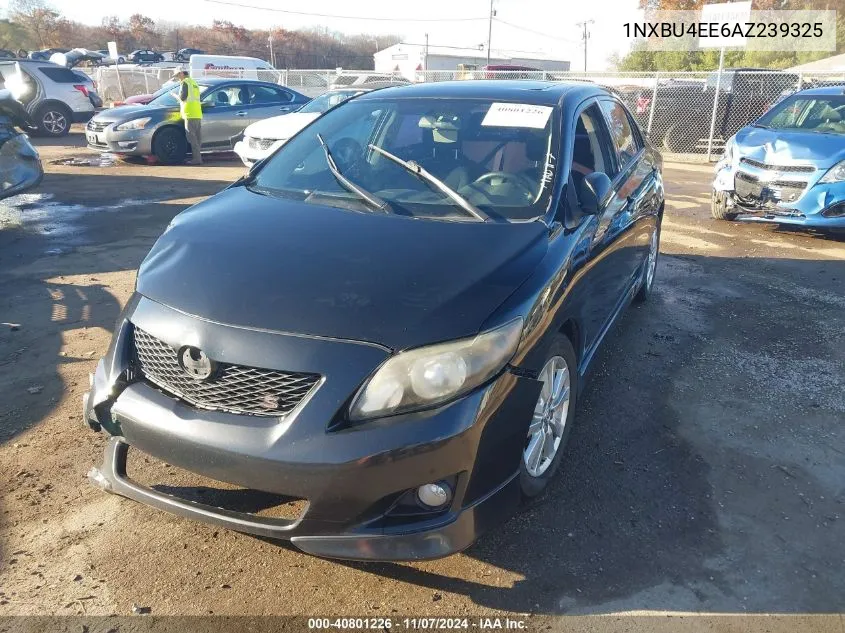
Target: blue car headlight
835 173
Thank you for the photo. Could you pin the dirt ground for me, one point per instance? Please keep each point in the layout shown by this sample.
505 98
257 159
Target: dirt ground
706 471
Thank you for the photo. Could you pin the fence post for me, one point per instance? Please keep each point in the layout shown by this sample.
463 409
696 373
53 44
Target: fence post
653 104
715 103
800 81
146 83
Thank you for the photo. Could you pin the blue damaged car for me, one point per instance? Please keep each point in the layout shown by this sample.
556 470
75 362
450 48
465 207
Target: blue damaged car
789 166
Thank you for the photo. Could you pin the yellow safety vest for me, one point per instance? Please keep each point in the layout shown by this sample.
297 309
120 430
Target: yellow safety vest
191 107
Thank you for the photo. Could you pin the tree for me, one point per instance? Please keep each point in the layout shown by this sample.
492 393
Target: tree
142 29
14 36
38 18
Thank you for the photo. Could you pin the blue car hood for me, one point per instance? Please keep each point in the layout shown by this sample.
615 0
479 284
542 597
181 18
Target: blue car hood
251 260
786 146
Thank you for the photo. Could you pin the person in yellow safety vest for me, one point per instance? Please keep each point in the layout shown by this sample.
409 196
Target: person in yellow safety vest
191 110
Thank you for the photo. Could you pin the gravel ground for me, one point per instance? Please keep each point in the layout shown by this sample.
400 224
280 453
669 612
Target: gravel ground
706 471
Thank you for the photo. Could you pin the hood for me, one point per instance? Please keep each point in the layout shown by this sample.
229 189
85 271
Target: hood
249 260
281 127
126 112
138 100
784 147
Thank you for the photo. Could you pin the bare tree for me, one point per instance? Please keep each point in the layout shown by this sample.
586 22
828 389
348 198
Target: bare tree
38 18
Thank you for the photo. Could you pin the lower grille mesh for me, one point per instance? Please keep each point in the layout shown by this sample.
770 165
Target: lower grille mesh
231 388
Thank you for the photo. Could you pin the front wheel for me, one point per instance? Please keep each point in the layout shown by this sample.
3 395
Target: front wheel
554 412
170 145
719 206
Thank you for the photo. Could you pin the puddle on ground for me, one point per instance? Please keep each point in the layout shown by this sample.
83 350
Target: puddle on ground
59 222
102 160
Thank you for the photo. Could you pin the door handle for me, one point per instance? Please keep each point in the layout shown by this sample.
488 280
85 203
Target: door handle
241 113
285 108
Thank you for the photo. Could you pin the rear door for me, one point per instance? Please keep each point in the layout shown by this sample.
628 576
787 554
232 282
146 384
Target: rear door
225 120
267 101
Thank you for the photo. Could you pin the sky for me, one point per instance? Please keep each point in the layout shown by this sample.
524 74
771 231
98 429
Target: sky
537 26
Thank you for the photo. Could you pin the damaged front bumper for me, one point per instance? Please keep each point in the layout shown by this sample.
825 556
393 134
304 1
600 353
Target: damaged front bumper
801 201
356 479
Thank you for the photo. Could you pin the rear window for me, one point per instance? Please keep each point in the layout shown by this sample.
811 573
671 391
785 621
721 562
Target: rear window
60 75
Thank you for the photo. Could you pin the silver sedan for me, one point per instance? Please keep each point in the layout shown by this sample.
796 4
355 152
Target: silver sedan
229 105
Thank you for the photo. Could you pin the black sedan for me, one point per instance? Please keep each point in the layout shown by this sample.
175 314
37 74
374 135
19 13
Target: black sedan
389 320
145 56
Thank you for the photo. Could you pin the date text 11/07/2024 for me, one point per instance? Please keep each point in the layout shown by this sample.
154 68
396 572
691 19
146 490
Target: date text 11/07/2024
425 623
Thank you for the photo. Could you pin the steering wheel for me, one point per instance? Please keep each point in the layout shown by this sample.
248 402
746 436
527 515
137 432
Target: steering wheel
347 152
516 179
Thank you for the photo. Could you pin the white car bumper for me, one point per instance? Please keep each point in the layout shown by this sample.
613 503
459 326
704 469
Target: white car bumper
251 155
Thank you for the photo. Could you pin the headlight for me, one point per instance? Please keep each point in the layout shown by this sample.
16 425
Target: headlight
134 124
427 376
728 154
835 173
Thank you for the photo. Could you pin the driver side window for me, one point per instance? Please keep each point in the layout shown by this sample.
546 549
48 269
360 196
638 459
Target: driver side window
590 152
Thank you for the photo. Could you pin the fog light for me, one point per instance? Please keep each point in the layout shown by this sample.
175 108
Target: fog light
435 495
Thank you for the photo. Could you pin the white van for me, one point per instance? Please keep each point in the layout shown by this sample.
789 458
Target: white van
230 66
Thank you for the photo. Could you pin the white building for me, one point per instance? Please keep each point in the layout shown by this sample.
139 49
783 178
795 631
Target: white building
409 59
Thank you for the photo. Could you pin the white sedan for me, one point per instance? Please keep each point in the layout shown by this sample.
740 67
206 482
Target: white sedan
264 137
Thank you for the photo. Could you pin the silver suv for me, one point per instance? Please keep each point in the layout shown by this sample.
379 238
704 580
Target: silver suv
54 96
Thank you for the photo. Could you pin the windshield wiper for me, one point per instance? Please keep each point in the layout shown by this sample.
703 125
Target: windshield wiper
418 171
347 184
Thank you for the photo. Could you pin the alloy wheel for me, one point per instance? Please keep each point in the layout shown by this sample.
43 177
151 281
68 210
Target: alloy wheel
651 266
54 122
550 414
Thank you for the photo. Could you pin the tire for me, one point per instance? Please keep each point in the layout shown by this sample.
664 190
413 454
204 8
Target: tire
170 145
649 268
53 119
679 139
719 206
534 483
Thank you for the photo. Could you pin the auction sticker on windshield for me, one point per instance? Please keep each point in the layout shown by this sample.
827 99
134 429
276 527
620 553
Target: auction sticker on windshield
517 115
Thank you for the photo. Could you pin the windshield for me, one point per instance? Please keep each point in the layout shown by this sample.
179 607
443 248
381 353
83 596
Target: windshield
328 100
497 156
170 98
821 113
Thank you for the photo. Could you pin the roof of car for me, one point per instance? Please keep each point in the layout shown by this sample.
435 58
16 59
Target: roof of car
513 90
825 90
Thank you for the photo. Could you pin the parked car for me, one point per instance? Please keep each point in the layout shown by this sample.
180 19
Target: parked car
75 57
507 71
44 55
683 110
789 166
146 98
229 105
54 96
348 80
109 60
263 137
145 56
7 54
184 54
389 320
20 166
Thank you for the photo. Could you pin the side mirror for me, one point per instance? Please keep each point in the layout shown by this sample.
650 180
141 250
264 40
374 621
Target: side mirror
596 189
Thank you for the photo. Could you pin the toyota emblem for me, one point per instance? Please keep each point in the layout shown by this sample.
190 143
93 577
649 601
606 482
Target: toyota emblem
195 363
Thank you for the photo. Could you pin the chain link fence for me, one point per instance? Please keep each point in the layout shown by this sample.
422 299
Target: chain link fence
691 114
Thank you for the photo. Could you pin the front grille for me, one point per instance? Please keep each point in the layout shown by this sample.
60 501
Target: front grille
793 169
231 388
751 189
96 126
261 143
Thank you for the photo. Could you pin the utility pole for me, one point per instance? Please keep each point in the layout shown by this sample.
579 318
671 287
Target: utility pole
585 36
425 57
490 30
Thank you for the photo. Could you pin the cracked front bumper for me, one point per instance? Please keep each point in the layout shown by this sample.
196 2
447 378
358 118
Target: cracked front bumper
351 476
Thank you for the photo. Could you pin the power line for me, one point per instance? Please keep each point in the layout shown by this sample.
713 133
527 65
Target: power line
342 17
527 30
